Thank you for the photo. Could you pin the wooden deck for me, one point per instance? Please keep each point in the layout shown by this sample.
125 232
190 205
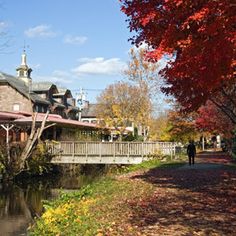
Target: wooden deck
109 152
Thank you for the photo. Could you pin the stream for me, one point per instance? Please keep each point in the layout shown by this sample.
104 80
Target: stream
20 203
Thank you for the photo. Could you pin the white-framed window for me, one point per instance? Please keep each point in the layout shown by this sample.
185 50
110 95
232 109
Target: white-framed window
16 107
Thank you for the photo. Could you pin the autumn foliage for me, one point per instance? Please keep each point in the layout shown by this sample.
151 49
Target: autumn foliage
211 119
182 126
122 104
198 34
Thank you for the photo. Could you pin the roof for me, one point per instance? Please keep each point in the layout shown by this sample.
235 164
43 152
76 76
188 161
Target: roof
63 92
57 120
21 87
10 115
57 104
42 86
90 111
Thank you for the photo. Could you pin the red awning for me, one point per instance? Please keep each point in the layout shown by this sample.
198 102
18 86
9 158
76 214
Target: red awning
10 116
55 119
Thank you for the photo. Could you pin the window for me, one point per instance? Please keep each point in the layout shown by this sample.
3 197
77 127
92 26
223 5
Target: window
16 107
36 108
21 73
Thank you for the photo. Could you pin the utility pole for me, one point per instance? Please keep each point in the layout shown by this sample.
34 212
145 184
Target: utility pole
80 99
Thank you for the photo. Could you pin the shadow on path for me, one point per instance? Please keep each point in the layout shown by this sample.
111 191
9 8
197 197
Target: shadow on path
200 200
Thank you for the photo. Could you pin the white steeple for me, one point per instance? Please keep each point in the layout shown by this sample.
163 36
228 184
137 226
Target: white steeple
23 58
23 71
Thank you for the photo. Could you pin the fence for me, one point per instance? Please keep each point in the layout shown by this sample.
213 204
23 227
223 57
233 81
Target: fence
109 152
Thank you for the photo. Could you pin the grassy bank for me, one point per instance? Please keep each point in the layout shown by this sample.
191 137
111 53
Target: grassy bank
102 208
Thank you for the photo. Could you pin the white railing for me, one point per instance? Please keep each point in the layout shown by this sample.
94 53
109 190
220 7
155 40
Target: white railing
107 152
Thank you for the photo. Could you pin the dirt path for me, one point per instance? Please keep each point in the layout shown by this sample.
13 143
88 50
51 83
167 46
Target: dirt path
199 200
210 159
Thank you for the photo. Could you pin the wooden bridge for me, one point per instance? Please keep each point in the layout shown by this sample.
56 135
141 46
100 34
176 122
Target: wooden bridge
109 152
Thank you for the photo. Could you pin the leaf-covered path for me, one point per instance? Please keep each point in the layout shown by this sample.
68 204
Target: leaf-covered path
199 200
170 200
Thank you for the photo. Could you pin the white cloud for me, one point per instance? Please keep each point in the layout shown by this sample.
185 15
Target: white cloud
75 40
99 65
3 25
41 31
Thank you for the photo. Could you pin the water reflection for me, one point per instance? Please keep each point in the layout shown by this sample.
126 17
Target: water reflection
20 203
19 206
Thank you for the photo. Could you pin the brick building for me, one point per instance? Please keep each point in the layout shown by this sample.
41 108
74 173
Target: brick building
21 94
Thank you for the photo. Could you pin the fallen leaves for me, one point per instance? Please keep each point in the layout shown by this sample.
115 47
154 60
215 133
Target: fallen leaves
166 201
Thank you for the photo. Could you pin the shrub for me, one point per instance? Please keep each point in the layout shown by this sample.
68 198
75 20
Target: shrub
39 163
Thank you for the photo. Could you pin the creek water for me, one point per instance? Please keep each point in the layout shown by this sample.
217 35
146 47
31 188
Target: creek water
21 202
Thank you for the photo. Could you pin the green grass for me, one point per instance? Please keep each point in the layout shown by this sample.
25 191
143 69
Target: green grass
97 208
142 166
86 212
156 162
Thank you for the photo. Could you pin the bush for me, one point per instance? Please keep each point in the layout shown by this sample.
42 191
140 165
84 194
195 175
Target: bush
39 163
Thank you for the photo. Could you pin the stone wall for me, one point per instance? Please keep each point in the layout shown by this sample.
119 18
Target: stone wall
11 98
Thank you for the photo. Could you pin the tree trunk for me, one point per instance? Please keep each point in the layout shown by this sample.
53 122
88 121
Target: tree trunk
35 135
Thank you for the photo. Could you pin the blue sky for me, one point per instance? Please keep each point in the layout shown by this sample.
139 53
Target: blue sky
73 43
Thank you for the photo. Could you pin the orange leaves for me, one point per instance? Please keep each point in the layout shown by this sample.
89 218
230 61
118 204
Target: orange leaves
145 20
200 15
184 43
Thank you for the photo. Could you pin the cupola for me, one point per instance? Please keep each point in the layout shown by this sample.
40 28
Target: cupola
23 71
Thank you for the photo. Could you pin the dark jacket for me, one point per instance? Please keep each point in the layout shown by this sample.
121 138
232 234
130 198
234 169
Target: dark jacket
191 150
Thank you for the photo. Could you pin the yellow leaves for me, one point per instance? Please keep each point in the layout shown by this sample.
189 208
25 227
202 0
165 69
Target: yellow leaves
83 208
48 216
68 214
116 110
100 234
122 103
51 215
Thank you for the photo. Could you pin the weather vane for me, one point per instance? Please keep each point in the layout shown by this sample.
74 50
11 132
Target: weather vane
25 46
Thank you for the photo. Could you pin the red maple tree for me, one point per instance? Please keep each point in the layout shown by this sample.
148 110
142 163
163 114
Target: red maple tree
211 119
199 35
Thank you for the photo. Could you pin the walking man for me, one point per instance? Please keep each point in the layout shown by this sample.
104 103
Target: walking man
191 151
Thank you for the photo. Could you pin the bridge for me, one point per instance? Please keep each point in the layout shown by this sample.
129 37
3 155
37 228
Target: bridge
68 152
